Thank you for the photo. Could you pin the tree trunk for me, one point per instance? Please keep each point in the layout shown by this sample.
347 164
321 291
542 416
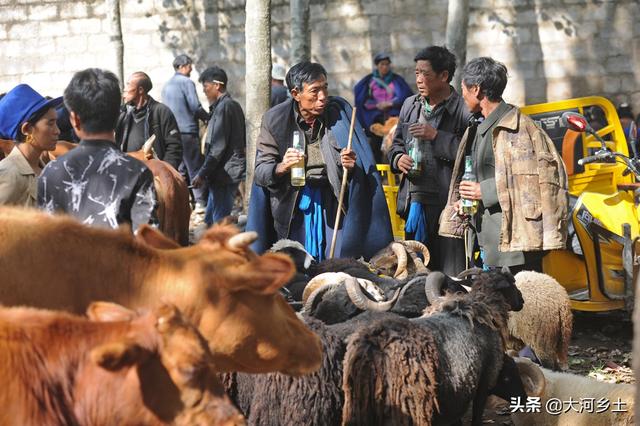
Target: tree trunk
257 77
300 32
113 14
456 35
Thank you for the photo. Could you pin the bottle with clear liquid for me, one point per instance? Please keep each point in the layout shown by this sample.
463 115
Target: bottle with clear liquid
415 150
297 171
469 207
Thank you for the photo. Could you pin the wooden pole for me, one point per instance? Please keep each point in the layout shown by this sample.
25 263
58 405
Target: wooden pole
343 188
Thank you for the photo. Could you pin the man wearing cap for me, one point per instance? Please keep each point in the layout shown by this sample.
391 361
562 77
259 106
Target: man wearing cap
142 116
27 120
279 92
96 182
179 94
379 96
225 164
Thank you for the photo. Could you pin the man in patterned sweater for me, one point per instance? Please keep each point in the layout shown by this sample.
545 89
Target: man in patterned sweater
96 182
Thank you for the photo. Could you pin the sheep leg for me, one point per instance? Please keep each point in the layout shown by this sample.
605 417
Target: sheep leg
479 402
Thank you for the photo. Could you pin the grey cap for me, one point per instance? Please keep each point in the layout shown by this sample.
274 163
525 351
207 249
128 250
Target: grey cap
181 60
278 72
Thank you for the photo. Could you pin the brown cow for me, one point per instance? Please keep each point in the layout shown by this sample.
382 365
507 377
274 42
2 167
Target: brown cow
227 291
152 369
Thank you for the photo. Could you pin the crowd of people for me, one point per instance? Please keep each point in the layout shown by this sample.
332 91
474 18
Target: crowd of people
521 211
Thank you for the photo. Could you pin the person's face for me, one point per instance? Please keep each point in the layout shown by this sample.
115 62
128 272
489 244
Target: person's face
132 92
429 81
211 90
44 132
312 100
384 66
470 96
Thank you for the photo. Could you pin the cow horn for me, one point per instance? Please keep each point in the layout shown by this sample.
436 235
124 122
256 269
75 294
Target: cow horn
242 240
363 302
418 246
310 303
532 377
400 252
433 285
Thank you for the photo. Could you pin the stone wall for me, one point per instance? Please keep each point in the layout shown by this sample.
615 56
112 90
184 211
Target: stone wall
554 49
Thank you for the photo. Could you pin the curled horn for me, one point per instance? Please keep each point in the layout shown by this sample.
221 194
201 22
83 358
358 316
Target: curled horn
400 252
363 302
418 246
532 377
242 240
469 272
320 280
316 295
433 285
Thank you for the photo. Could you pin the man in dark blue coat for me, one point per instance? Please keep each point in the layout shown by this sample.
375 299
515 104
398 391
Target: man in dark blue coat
307 213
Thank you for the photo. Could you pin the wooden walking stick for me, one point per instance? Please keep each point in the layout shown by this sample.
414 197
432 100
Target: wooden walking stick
343 188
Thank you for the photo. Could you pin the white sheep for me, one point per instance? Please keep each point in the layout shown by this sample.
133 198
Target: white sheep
612 404
546 321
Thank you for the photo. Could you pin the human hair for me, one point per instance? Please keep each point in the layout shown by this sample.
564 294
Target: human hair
32 120
213 74
304 72
440 58
181 60
94 96
143 81
488 74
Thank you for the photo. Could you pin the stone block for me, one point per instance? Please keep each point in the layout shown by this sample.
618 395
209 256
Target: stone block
43 12
73 10
14 13
612 84
71 44
85 26
3 32
619 64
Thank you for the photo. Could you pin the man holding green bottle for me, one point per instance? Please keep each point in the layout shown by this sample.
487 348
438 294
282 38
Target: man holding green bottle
521 182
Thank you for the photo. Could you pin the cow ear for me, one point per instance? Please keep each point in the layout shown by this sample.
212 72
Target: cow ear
265 274
153 238
118 355
109 312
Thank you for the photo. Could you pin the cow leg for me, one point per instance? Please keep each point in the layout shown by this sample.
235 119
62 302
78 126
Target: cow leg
478 406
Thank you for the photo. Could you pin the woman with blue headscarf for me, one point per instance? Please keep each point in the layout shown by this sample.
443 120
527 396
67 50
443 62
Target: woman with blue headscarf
29 119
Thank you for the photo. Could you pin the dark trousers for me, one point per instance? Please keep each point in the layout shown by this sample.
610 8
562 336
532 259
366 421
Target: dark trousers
447 254
192 159
220 202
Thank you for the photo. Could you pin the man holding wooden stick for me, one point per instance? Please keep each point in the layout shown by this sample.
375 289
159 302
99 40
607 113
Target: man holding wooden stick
307 213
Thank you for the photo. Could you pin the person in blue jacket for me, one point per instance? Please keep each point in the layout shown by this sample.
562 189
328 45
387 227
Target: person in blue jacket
379 96
307 213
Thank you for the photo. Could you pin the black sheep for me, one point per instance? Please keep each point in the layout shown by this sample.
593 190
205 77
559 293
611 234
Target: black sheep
469 337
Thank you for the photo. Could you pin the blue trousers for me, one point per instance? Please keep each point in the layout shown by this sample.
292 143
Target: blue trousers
220 202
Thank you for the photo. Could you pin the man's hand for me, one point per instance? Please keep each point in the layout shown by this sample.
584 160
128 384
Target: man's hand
423 131
291 157
197 182
470 190
348 159
457 207
405 163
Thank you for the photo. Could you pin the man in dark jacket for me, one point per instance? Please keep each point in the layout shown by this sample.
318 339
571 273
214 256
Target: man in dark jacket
225 162
438 117
142 117
307 213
